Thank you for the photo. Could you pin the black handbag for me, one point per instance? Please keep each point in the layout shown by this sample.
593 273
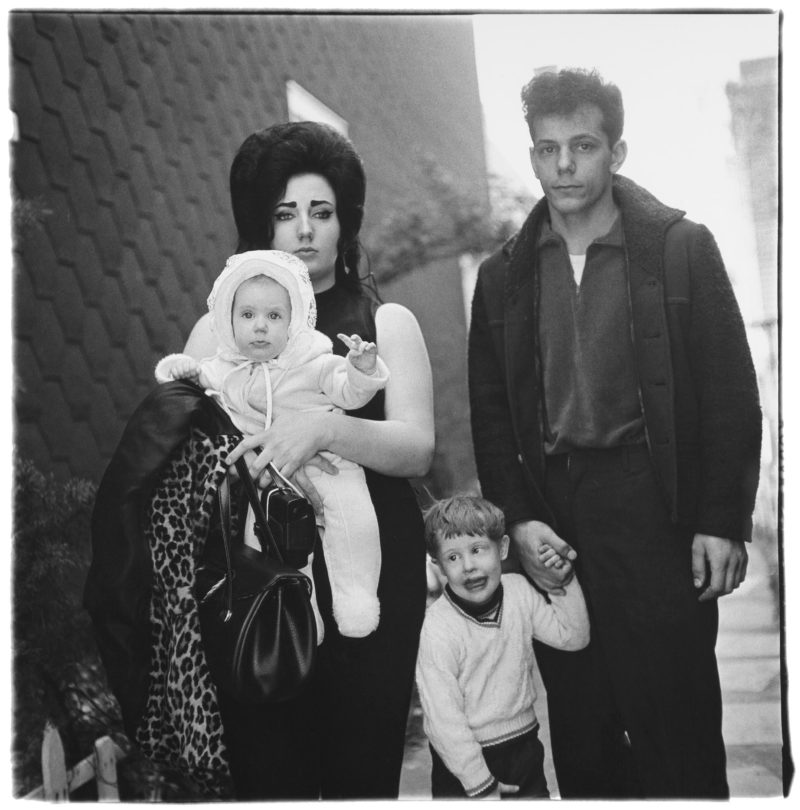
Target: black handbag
256 621
290 517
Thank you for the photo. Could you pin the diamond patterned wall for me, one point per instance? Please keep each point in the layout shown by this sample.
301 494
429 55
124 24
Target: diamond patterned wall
126 126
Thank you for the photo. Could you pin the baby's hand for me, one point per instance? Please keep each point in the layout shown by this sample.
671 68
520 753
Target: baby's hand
363 355
550 558
186 368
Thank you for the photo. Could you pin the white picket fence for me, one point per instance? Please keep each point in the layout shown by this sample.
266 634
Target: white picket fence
58 782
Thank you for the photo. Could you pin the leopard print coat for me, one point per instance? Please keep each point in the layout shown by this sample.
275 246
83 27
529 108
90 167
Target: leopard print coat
182 725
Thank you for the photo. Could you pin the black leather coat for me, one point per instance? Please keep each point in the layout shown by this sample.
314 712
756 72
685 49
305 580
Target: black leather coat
117 591
696 378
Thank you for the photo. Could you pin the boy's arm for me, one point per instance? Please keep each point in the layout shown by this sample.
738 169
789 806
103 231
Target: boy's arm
560 620
444 720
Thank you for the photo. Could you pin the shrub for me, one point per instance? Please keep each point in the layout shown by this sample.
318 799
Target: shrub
58 675
51 631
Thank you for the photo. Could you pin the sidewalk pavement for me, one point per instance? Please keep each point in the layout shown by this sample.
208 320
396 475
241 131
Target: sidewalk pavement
748 655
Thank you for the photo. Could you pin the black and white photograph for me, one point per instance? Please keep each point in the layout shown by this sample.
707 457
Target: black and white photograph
398 403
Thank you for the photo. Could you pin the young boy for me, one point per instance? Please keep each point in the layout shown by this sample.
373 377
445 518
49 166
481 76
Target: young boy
475 663
271 359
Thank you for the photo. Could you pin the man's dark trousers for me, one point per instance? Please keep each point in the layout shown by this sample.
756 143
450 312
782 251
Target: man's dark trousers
638 713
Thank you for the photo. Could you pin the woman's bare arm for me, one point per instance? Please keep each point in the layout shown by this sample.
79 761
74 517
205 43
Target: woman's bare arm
403 443
201 342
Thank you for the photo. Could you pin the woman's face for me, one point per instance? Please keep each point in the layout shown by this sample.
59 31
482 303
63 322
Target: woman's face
306 225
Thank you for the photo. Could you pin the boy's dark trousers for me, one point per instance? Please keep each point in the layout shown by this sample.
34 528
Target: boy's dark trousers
638 713
515 762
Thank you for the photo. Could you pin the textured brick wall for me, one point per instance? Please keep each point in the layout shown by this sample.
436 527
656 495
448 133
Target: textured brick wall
126 126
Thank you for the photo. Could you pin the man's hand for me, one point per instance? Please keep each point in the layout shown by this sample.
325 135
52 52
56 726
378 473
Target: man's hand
719 564
529 538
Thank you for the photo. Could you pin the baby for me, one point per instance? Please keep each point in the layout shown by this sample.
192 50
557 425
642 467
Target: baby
270 358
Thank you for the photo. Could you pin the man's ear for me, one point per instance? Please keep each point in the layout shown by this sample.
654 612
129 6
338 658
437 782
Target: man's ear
504 543
531 153
618 154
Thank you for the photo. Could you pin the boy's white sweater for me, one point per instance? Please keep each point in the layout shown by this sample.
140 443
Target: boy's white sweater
475 680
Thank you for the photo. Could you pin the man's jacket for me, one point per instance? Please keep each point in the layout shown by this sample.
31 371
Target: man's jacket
697 383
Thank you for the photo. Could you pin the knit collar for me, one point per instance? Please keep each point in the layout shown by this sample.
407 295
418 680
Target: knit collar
488 613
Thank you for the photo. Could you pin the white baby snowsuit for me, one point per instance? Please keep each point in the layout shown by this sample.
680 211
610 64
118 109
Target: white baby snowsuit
306 376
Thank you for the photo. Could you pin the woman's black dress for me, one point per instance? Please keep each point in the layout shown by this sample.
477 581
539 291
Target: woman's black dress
345 739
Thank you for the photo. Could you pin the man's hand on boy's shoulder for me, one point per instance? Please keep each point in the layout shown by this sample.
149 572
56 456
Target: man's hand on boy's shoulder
544 556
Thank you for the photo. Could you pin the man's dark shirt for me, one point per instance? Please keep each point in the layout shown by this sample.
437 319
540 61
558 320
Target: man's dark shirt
588 369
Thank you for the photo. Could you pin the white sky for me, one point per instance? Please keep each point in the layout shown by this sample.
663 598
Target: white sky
672 70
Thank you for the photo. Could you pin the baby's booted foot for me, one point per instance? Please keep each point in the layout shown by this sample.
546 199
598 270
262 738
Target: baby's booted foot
357 614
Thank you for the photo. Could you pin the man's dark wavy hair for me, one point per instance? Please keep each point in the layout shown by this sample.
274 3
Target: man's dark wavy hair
562 93
265 163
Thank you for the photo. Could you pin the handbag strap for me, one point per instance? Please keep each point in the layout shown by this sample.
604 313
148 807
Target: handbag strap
258 510
281 480
224 498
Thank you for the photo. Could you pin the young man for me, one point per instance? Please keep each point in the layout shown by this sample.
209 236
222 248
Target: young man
615 417
475 664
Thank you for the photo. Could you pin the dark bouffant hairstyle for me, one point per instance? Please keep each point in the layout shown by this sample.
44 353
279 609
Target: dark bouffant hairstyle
563 92
462 514
265 163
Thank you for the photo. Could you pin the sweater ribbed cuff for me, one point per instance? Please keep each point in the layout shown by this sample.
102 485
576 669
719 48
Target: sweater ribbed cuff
484 789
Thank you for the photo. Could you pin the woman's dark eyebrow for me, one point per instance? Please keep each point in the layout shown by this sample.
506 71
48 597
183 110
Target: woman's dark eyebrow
313 203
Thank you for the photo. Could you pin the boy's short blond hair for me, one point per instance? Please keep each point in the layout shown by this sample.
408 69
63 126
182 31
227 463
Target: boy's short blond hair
462 514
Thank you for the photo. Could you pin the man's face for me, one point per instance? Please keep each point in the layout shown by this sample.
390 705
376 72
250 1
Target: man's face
573 160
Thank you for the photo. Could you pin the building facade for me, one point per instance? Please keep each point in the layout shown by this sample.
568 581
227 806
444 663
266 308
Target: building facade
754 107
126 125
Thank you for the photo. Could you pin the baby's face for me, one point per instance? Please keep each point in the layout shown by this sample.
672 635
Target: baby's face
260 318
472 564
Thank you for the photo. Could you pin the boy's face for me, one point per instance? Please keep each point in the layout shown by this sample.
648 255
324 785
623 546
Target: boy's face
472 565
573 160
260 318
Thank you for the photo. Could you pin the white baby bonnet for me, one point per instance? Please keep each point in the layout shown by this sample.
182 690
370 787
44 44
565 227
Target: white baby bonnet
288 271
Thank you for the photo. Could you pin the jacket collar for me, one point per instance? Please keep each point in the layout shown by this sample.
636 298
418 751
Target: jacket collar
645 221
